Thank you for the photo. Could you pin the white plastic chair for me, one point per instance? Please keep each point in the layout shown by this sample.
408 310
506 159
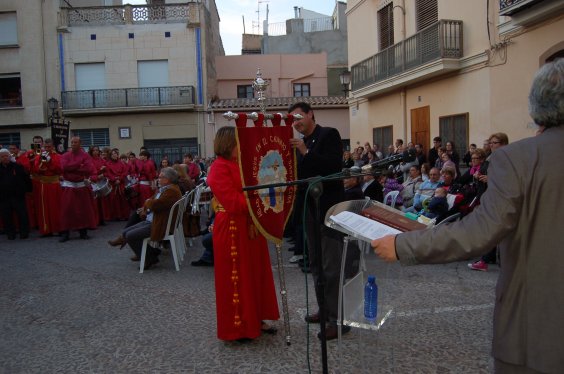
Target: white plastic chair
392 196
176 239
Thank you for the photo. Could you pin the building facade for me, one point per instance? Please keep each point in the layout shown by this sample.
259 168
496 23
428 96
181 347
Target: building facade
291 78
28 62
454 68
128 76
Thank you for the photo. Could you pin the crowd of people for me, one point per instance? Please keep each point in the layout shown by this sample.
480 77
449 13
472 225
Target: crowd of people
79 190
520 212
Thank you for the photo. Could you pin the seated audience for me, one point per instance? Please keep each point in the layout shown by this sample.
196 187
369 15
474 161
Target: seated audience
390 184
372 189
410 186
151 219
438 205
426 190
353 191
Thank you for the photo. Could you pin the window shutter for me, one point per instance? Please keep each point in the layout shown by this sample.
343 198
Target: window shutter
386 22
427 13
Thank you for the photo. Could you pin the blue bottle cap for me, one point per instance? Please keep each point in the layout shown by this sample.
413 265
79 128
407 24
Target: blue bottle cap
371 278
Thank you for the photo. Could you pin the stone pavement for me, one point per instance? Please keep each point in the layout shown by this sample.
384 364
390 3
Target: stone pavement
82 306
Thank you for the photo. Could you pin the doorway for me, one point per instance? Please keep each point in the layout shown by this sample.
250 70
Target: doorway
420 126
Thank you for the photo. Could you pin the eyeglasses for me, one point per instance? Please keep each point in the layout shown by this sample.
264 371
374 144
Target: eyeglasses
495 143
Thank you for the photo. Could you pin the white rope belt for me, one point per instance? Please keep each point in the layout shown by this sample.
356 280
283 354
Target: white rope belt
72 184
145 183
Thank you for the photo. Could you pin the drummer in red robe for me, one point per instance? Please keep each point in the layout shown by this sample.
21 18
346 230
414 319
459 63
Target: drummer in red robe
101 204
47 190
77 208
244 287
116 173
147 174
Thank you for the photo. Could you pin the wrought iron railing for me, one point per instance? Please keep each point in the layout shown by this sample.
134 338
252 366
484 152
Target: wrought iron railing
128 97
442 39
310 25
125 14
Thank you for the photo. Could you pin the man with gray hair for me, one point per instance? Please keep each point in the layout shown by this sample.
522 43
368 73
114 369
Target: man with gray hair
151 219
520 211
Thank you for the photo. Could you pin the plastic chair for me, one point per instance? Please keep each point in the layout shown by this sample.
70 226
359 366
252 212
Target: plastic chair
176 239
392 196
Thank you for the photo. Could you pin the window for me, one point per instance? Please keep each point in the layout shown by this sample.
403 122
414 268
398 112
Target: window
426 13
8 29
150 75
90 137
10 138
301 89
455 129
383 137
245 92
386 26
174 149
10 91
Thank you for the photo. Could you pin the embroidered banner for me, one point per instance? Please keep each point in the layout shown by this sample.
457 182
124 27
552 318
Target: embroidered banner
265 158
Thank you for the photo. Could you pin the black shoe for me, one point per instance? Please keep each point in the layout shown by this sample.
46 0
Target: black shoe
64 238
84 234
11 236
24 236
332 332
244 340
47 235
149 262
312 318
201 263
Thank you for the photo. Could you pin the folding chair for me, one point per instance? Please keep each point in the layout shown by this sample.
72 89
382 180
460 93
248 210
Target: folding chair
176 238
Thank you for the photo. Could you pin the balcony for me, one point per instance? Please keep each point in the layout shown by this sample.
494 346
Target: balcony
128 100
129 15
437 42
510 7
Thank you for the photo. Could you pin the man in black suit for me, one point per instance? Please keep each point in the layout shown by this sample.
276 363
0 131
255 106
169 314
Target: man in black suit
14 183
320 153
372 188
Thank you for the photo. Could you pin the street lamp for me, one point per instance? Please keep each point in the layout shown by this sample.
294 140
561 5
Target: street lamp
53 105
345 78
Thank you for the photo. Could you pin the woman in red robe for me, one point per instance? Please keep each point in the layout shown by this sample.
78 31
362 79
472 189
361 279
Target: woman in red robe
101 205
244 287
116 172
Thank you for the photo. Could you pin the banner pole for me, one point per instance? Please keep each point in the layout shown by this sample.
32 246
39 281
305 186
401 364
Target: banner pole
283 293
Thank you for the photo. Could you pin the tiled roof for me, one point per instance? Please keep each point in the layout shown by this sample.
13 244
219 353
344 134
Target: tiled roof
280 103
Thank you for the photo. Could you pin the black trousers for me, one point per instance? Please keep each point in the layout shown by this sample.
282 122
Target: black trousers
7 208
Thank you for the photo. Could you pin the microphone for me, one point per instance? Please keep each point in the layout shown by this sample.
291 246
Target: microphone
406 156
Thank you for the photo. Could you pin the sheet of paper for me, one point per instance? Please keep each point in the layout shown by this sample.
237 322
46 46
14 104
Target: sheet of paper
363 226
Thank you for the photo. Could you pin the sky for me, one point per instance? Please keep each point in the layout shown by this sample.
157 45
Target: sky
231 14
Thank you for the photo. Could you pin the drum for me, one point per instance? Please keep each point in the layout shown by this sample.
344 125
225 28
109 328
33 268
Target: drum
101 188
131 190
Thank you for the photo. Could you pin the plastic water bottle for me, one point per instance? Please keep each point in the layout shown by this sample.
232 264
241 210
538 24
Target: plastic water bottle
371 298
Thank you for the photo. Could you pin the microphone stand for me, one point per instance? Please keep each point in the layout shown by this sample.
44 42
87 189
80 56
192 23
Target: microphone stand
316 191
